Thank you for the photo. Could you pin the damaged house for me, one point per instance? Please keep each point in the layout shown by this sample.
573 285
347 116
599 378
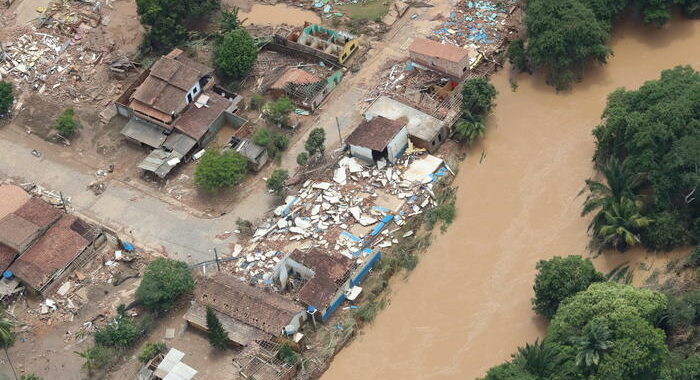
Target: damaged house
305 89
174 108
447 59
378 137
247 313
321 42
424 131
322 281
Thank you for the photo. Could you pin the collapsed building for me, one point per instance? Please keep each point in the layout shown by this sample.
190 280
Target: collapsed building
324 43
305 89
175 108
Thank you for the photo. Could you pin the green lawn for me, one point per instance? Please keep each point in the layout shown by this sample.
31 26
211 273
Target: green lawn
369 10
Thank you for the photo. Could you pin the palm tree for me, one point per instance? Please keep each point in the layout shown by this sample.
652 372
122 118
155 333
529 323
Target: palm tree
7 337
469 128
594 342
620 181
95 357
539 359
619 224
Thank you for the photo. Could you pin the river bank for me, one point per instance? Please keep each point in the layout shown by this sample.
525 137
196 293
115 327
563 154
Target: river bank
467 305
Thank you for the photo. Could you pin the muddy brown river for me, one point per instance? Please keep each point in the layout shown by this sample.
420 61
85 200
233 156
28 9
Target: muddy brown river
466 307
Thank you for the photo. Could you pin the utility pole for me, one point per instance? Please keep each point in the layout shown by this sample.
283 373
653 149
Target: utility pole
337 124
216 257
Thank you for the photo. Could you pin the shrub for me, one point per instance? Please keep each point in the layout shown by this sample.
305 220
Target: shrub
150 350
560 278
218 337
6 97
121 332
277 112
277 180
163 282
217 170
665 234
30 376
257 101
96 357
287 354
302 158
315 142
236 53
66 124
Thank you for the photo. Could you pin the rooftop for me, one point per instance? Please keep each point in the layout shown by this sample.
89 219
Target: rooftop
420 124
61 244
195 121
376 133
295 76
11 198
432 48
7 254
39 212
269 312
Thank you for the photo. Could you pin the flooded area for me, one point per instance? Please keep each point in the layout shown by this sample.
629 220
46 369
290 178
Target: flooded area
261 14
466 307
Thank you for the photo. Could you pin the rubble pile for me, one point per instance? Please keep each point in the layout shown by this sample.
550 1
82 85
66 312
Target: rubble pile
358 209
476 24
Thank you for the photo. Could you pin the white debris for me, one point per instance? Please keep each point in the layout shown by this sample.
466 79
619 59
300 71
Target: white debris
407 234
64 289
237 250
302 223
354 166
339 176
322 185
381 164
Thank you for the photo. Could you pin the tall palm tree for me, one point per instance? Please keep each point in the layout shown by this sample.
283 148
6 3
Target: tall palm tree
620 181
7 337
539 359
594 342
469 128
619 224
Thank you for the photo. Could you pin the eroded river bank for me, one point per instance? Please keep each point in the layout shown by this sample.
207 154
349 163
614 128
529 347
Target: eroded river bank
466 307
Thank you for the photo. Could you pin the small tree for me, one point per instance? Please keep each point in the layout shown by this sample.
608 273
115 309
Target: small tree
277 180
163 282
218 337
257 101
95 357
559 278
66 124
229 20
150 350
6 97
302 158
121 332
315 142
478 95
236 53
217 170
277 112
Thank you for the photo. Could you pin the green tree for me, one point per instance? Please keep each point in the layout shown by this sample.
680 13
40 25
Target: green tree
278 112
164 20
150 351
688 369
560 278
257 101
218 337
66 124
517 55
273 141
277 180
229 20
592 345
620 224
469 129
315 143
654 11
236 53
217 170
302 158
121 332
477 96
95 357
666 233
6 97
540 359
7 337
163 282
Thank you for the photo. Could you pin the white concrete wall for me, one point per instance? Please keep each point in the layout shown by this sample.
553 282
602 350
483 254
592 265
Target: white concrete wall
193 92
397 144
362 153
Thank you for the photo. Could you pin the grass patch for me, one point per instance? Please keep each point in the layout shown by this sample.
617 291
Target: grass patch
368 10
445 211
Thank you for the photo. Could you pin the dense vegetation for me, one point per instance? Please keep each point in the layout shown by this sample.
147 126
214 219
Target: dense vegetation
648 150
165 19
273 141
477 100
163 282
217 170
235 54
6 97
566 35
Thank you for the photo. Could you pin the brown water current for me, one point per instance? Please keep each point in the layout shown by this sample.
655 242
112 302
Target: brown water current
466 307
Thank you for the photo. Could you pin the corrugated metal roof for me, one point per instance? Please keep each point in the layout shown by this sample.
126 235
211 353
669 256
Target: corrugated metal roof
144 132
168 363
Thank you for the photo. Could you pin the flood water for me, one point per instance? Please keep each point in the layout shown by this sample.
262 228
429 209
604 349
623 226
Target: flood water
261 14
466 307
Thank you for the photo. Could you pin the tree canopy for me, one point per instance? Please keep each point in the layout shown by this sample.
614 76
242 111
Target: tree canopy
217 170
560 278
164 20
277 180
218 337
315 143
277 112
564 36
163 282
648 148
6 97
236 53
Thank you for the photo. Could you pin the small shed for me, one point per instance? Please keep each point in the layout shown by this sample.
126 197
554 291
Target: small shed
378 137
445 58
257 155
